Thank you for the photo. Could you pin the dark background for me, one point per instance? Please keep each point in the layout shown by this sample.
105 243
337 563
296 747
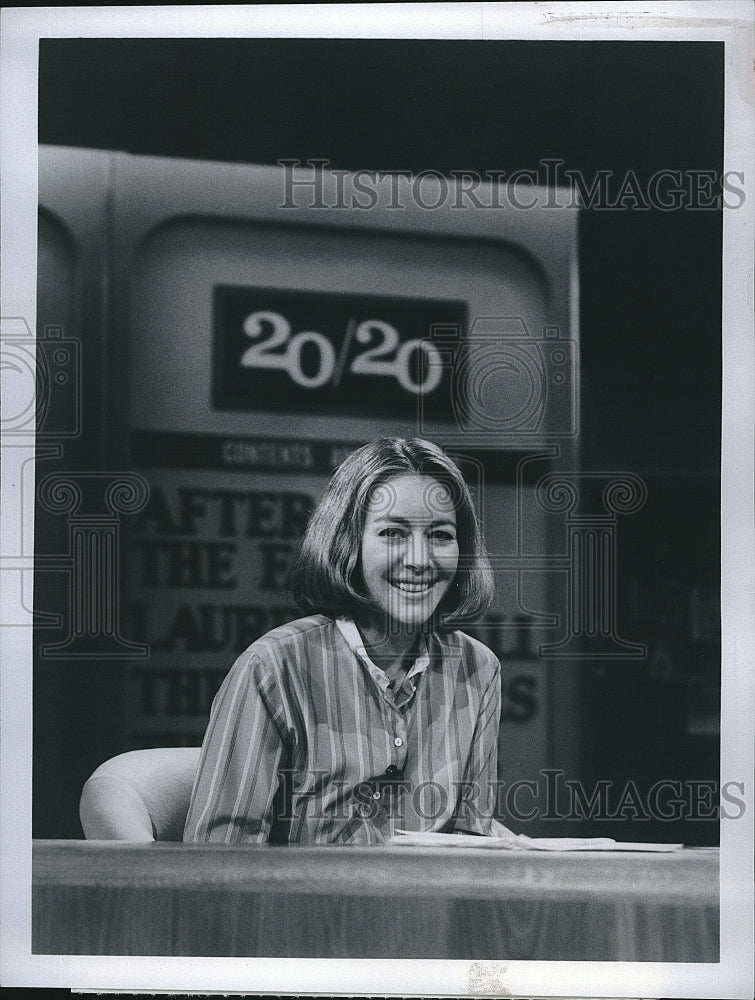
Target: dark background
650 317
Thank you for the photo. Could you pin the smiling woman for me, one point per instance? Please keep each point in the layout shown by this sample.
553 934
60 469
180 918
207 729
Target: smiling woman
374 713
409 554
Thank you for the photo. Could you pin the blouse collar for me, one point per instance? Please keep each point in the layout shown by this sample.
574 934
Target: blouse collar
385 681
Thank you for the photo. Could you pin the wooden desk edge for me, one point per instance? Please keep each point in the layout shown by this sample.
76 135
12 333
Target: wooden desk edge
690 875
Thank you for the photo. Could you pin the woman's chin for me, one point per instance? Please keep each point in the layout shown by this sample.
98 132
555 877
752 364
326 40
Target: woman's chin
415 616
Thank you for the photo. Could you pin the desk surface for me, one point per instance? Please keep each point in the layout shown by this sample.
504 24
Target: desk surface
97 897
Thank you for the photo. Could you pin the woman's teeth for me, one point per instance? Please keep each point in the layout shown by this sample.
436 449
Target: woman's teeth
412 588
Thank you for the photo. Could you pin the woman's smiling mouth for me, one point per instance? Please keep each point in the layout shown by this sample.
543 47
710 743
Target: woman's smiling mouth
413 586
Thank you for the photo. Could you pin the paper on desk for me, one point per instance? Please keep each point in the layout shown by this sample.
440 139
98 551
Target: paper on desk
508 841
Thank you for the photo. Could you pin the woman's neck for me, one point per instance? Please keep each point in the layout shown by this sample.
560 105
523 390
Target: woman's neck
388 644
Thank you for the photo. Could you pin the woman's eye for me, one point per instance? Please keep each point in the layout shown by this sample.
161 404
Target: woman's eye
391 533
442 536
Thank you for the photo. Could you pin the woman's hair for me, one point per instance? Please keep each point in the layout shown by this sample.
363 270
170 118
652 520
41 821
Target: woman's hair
325 576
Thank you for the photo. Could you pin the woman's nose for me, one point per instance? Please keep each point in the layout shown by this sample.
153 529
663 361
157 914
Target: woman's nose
416 554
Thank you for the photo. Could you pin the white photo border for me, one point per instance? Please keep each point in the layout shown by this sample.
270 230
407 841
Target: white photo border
729 22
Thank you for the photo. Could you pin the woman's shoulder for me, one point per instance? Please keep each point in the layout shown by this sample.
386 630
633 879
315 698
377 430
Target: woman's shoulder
289 638
470 648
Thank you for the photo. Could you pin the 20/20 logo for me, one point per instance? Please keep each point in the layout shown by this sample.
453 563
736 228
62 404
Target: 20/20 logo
330 352
384 356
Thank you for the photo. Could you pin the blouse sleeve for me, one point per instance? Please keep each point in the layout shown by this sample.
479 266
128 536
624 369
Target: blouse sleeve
477 803
242 753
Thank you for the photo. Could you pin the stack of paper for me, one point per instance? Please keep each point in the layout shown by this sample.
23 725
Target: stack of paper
508 841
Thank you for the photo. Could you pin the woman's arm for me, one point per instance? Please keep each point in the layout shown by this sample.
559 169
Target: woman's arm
477 799
242 752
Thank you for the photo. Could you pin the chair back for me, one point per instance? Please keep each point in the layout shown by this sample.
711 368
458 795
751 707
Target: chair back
141 795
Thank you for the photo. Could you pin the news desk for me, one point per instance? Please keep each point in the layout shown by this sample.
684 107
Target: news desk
112 898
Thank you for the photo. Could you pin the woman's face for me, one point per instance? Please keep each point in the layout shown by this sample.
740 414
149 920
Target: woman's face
409 552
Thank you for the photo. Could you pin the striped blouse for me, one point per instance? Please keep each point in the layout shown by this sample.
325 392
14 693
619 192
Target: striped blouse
308 742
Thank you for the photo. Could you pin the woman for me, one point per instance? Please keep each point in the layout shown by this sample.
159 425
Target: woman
373 713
